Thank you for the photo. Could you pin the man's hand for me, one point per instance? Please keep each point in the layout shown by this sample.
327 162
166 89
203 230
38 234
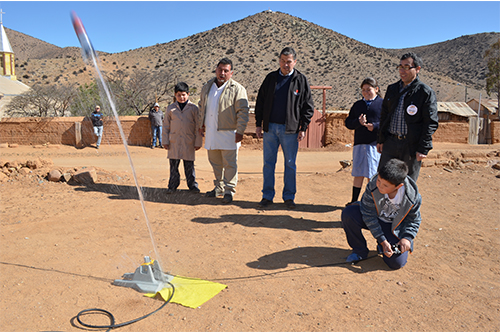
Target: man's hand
420 156
258 132
166 146
196 148
202 131
238 137
301 136
379 147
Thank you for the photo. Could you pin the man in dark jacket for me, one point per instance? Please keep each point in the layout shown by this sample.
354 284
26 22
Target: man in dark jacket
409 118
96 118
283 109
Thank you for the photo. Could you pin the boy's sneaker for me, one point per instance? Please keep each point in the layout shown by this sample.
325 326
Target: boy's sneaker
353 258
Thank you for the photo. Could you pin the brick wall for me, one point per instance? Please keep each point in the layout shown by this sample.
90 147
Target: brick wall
70 130
495 132
36 131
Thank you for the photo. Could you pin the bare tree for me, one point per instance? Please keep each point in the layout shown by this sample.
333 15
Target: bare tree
493 76
139 91
41 101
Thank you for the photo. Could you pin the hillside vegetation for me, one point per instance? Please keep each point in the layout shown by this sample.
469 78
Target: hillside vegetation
253 43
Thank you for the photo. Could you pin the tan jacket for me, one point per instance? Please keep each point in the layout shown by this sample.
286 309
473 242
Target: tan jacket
180 131
233 106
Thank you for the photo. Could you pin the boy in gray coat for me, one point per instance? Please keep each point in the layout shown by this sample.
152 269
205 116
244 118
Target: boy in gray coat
181 138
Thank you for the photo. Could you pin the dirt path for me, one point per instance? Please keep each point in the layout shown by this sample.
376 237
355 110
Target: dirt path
62 245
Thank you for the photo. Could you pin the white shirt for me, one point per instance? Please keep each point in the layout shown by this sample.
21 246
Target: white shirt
217 139
391 206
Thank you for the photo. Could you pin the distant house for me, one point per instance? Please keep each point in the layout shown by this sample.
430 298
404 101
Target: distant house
455 111
488 112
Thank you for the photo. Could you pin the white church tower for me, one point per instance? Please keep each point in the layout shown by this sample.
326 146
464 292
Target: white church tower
7 58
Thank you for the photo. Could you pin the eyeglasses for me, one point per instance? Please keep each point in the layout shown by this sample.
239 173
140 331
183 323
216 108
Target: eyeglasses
405 67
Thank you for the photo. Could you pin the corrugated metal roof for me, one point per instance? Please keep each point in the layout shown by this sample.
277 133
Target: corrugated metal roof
4 41
490 105
457 108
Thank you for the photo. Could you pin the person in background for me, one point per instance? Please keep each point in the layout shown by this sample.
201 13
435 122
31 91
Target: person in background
96 118
223 119
181 138
409 118
364 119
283 110
156 119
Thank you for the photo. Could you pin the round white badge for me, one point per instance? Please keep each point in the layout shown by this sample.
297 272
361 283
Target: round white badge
412 110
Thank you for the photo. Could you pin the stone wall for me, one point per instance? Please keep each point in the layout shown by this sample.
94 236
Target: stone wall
78 131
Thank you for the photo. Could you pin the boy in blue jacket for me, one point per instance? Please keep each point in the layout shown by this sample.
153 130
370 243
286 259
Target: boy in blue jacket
390 209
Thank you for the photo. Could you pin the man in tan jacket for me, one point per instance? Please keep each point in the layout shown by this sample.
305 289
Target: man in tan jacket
223 118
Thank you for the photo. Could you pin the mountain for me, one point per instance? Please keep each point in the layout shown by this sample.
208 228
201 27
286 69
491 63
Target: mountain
253 44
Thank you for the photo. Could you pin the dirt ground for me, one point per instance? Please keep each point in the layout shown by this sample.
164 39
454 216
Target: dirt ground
62 244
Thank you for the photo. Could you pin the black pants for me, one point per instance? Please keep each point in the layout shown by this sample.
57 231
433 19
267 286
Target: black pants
400 149
175 177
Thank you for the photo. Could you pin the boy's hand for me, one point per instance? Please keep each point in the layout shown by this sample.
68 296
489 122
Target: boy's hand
166 146
196 148
386 248
202 131
404 245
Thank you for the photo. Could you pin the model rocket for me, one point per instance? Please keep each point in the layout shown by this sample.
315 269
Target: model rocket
87 49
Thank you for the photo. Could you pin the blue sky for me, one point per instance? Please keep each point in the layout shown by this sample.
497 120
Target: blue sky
117 26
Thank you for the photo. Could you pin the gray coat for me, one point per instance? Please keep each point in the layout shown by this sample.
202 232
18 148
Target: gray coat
156 118
180 131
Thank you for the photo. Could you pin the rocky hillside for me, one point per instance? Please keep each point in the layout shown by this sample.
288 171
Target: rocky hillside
253 43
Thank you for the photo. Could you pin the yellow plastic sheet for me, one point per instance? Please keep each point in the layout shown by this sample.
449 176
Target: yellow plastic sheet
190 292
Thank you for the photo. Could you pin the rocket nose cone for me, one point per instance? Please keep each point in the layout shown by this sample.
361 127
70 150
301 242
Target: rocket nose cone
77 23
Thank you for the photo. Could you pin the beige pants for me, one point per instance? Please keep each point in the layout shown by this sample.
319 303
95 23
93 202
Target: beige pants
225 166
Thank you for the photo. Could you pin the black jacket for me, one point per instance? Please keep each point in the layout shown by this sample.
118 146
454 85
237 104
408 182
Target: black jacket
300 106
361 134
96 118
421 125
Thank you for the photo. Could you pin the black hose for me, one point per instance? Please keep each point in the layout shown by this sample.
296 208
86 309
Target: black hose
112 324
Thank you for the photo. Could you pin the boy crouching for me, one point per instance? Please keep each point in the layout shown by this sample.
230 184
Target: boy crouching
390 209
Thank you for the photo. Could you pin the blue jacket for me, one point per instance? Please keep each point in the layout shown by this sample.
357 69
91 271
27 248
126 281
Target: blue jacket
405 224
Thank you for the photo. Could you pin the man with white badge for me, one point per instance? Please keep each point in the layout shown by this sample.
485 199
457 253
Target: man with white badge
408 119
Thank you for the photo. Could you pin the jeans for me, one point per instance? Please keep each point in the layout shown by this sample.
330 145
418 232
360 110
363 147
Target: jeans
273 138
156 130
98 133
352 222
